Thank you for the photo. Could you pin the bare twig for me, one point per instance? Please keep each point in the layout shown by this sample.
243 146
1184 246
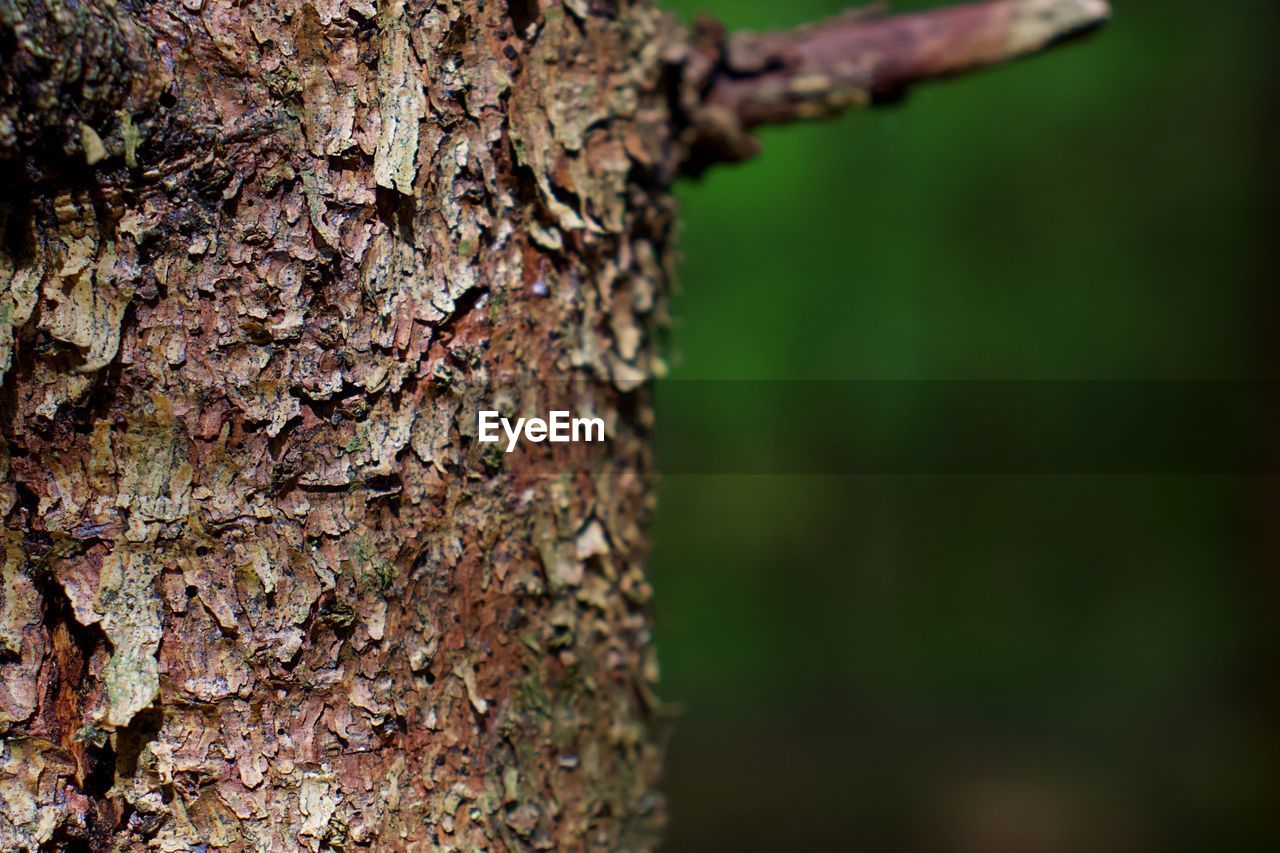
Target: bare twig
820 70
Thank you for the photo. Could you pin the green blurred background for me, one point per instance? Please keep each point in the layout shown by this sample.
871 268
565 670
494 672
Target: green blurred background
985 663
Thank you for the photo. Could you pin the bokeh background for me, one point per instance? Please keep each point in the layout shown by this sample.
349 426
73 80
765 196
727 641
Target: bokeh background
966 662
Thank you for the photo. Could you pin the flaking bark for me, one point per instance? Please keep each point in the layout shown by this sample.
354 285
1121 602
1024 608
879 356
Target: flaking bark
245 505
260 588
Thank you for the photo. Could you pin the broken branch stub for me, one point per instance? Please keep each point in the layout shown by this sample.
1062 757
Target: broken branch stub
862 57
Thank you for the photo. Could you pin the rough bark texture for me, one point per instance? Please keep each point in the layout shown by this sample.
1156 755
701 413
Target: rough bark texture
260 587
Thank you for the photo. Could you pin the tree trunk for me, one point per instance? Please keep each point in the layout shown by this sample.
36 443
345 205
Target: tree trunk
261 262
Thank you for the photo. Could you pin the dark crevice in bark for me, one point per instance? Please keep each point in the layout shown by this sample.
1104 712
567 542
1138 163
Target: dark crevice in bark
397 211
28 508
134 737
65 719
102 770
462 308
522 13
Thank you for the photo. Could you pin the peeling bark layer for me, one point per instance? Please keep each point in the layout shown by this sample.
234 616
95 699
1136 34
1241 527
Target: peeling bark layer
261 589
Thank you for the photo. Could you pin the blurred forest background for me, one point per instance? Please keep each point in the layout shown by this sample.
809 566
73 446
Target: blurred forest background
985 663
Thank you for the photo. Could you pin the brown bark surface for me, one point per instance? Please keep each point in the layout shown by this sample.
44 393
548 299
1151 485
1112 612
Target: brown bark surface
261 589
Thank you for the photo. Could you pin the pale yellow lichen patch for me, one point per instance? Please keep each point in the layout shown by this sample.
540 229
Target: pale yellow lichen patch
31 782
155 490
403 104
560 118
467 672
810 84
91 144
591 542
84 302
132 139
21 611
132 620
19 602
316 208
317 800
19 289
155 482
253 554
328 98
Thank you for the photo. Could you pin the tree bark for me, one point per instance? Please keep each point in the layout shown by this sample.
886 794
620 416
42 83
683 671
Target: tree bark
261 588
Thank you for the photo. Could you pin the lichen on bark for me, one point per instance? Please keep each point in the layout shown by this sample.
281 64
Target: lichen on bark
241 351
